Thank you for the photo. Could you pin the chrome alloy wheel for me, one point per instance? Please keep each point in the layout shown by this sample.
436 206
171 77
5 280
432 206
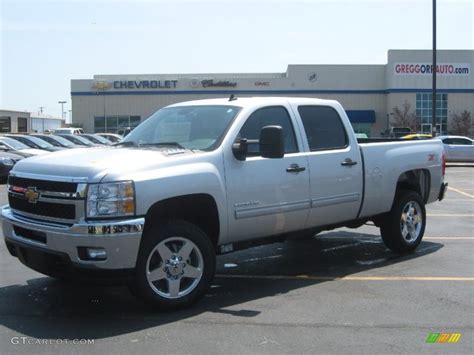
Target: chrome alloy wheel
174 267
411 221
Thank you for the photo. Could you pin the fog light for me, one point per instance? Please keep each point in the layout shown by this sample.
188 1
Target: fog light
96 253
86 253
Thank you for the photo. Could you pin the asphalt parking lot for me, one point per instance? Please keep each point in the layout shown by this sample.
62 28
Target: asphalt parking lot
342 292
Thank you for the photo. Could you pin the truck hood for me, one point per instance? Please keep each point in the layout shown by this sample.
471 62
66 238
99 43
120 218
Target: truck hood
94 163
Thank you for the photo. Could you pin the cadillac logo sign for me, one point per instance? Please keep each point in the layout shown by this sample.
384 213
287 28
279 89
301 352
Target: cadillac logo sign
32 195
218 84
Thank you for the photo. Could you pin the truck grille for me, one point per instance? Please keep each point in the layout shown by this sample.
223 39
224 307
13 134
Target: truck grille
46 200
43 185
46 209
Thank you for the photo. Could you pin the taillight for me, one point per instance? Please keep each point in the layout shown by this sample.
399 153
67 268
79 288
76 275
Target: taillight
444 163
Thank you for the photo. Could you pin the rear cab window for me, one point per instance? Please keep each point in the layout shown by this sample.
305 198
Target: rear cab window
323 127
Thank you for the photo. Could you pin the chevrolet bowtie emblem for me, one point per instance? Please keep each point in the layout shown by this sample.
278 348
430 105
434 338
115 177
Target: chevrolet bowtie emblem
101 85
32 195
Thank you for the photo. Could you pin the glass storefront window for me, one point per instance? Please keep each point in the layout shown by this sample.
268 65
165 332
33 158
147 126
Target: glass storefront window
123 121
423 112
111 124
134 121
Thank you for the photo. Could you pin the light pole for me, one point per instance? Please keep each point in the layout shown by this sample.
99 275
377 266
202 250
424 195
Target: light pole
433 72
62 108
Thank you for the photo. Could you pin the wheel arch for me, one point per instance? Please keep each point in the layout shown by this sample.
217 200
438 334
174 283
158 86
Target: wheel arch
418 180
199 209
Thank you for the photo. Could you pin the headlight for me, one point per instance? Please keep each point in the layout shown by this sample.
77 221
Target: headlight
113 199
7 161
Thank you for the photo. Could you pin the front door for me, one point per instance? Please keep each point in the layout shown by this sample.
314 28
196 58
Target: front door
267 196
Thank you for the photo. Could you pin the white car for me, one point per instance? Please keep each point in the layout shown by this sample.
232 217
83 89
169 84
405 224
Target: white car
68 131
458 148
113 138
20 148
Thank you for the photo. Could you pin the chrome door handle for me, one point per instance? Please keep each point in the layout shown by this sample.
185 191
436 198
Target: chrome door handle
295 168
348 162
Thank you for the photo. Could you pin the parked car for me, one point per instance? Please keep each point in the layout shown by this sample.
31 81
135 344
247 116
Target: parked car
114 138
96 139
19 148
458 148
397 132
34 142
57 141
124 131
77 139
68 131
417 136
161 204
7 161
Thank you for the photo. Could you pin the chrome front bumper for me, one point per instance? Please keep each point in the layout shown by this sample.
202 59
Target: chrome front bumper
120 239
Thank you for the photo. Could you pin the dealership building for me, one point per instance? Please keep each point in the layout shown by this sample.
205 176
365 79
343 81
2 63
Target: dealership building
27 122
108 103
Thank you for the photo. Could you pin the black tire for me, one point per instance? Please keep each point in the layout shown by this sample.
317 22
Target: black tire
203 253
392 230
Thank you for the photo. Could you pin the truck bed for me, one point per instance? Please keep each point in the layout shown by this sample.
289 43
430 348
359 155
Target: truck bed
386 160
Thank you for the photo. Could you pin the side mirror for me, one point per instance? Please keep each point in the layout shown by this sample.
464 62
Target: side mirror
272 144
240 149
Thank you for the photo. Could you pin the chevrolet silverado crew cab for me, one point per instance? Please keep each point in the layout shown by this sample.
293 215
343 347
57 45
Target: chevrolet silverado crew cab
206 177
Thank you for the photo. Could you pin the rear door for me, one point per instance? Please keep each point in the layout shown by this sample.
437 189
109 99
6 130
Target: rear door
335 166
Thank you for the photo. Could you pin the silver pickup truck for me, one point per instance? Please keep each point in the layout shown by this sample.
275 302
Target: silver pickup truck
202 178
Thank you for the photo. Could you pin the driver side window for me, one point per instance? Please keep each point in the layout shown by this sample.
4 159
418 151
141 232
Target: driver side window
269 116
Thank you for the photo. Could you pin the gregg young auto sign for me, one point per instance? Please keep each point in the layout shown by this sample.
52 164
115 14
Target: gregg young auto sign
455 69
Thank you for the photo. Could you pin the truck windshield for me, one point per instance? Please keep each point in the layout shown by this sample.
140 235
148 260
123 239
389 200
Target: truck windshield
190 127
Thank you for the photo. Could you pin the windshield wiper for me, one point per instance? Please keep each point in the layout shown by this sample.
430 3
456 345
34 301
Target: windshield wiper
164 144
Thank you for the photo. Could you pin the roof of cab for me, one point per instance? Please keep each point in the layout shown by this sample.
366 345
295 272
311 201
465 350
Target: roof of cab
254 101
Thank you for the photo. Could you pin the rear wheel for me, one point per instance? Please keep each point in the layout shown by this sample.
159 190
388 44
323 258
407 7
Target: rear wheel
403 228
175 266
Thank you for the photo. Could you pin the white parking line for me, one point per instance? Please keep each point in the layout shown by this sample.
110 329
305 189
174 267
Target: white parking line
348 278
460 192
450 215
448 238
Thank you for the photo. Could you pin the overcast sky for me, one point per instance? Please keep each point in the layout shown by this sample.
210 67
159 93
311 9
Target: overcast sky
46 43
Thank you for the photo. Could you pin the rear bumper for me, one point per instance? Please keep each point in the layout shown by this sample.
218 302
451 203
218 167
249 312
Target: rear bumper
120 239
442 191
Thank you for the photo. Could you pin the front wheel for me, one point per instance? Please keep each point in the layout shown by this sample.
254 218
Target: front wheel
404 226
175 266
